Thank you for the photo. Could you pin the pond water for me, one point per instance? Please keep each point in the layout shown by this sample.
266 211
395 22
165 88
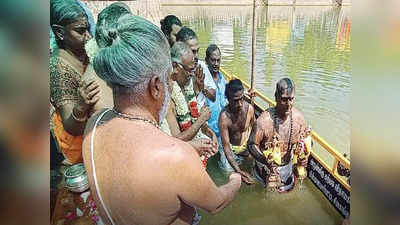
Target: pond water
253 205
311 45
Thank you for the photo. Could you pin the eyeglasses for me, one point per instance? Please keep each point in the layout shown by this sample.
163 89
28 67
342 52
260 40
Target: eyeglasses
285 99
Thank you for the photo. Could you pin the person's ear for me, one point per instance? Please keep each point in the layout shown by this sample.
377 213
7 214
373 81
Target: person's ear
175 71
155 87
58 31
276 97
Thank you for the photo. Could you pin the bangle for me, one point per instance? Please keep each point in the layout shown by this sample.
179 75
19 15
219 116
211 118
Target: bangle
78 119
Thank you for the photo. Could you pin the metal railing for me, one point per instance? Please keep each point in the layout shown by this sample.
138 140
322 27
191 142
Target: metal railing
338 158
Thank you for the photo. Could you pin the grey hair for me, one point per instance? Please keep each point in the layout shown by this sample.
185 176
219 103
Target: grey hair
178 50
137 52
106 22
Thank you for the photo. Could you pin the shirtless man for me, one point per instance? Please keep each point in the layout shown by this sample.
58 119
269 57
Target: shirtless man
287 123
137 173
235 122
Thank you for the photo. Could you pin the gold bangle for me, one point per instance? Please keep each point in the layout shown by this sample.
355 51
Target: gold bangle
78 119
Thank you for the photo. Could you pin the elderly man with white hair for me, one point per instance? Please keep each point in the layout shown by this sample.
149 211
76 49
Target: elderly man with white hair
137 173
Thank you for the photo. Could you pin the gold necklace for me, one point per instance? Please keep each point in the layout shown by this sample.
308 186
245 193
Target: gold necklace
135 118
276 127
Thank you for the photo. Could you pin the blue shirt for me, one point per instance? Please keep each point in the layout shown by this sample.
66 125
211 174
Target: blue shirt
219 104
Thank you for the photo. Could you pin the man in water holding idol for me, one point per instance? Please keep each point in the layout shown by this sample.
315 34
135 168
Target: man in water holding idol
274 140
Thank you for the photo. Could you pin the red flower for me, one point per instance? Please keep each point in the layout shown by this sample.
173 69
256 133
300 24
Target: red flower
205 162
185 126
193 109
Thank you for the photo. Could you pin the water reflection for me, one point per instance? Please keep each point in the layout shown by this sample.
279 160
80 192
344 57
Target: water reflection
309 44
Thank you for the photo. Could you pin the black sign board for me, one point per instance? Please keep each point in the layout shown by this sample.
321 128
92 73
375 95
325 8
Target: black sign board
333 190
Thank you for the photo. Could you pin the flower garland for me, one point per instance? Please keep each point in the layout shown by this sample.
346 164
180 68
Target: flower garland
186 109
186 105
92 49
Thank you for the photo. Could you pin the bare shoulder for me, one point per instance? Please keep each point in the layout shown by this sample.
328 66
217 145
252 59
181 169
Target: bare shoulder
224 117
177 159
298 115
265 117
89 128
250 110
176 151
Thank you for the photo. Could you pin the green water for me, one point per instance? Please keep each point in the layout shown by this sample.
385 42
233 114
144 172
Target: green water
253 205
311 46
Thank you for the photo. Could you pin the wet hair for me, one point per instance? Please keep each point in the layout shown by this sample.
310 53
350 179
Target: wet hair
64 12
137 52
167 22
210 49
107 22
185 34
232 87
178 50
284 84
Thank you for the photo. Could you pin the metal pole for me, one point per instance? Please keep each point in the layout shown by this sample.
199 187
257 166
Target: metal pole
253 52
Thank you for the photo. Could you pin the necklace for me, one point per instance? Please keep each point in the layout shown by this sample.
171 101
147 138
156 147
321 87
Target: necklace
135 118
276 127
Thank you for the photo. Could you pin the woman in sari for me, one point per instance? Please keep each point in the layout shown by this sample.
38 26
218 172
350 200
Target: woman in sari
72 98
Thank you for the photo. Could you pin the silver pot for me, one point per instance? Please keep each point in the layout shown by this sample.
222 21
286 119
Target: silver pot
76 179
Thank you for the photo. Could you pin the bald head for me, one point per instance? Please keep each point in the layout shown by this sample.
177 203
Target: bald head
284 86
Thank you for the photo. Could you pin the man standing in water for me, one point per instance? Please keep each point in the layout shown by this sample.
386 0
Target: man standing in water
235 122
286 123
137 173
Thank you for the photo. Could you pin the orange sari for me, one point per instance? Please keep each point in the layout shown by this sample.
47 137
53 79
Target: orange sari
70 146
65 74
